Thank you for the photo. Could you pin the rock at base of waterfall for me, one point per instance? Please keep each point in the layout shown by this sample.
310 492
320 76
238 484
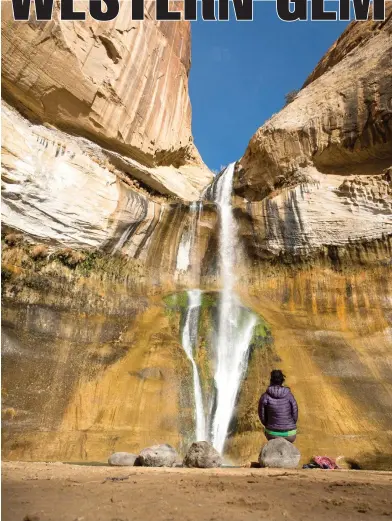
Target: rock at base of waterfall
279 453
202 454
157 456
122 459
178 463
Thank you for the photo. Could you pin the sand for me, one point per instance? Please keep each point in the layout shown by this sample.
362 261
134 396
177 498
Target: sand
64 492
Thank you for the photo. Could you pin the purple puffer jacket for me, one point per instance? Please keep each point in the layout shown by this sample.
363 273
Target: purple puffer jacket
278 409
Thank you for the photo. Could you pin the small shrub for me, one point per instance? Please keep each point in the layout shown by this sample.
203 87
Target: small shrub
12 239
40 251
6 274
89 262
290 96
70 258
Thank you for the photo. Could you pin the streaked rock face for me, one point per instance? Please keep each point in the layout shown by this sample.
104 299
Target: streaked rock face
314 190
317 174
67 190
122 84
95 166
101 338
327 211
331 330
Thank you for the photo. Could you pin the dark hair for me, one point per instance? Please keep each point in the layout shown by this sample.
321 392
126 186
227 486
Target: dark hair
277 377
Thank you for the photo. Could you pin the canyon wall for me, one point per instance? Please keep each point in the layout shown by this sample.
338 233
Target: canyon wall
123 84
97 157
92 110
318 172
315 182
339 123
96 222
314 203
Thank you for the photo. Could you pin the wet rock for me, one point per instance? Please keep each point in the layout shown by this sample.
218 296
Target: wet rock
157 456
152 373
279 453
202 454
122 459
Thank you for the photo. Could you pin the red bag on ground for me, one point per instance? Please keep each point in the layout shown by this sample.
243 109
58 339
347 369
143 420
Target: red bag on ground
325 462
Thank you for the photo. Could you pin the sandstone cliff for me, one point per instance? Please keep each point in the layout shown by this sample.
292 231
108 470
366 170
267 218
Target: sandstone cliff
122 85
316 173
314 189
99 244
339 123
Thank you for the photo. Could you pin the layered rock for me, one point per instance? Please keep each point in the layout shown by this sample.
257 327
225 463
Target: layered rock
95 155
315 212
91 363
338 124
121 84
66 190
97 158
335 134
319 216
357 35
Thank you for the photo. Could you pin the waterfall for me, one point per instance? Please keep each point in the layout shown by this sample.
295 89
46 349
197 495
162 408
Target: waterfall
234 329
228 232
187 240
189 339
235 323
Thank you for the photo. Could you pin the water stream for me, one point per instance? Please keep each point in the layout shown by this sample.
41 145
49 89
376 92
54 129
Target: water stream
189 339
187 241
234 329
234 326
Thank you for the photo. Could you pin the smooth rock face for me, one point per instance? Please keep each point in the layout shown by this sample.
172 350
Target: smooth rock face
122 459
157 456
125 89
202 454
123 82
279 453
339 123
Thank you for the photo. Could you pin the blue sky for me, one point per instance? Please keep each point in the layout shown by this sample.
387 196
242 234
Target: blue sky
241 72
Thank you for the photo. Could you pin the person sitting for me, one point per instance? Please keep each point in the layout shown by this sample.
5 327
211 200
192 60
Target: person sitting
278 410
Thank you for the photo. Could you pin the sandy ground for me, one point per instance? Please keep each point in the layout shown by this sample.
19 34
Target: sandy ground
62 492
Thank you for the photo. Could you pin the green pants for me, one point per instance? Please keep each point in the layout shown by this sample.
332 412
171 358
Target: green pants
287 435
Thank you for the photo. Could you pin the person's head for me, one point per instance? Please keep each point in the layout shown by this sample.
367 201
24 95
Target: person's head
277 377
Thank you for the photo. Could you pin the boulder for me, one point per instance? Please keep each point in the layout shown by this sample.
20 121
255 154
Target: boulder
157 456
279 453
202 454
122 459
